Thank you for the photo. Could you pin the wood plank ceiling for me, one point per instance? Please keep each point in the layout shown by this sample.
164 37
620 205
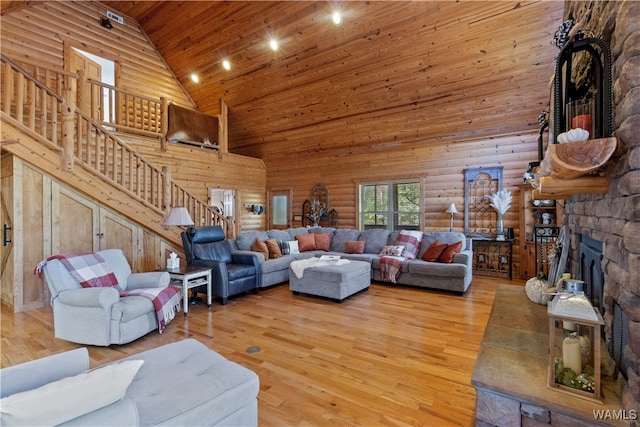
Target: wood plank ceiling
394 72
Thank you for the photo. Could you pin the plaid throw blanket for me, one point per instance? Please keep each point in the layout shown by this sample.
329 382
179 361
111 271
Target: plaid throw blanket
92 271
390 267
166 301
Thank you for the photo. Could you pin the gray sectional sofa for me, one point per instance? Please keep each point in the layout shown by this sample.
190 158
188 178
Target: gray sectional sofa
455 276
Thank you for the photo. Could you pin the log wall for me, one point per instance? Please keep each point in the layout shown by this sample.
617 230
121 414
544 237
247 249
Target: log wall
41 32
440 166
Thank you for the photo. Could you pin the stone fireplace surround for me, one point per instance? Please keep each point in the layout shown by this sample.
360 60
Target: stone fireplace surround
614 218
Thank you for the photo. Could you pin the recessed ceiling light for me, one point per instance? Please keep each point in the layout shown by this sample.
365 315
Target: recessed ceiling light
194 78
336 17
273 44
226 65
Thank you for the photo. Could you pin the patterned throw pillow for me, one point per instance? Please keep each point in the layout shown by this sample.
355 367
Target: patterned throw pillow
284 247
392 250
411 240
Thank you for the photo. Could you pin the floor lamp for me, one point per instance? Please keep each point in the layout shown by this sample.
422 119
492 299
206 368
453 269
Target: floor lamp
452 210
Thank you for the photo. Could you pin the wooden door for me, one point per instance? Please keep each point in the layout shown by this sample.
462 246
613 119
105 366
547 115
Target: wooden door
118 233
91 101
7 270
75 222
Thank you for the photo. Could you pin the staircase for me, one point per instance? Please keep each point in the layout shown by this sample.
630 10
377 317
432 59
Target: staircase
43 124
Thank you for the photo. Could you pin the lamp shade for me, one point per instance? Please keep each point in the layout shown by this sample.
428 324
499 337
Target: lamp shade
452 209
179 216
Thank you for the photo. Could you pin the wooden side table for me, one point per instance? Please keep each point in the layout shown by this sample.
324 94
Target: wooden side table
190 277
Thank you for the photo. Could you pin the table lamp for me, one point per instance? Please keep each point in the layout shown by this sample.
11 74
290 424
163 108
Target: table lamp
452 210
179 216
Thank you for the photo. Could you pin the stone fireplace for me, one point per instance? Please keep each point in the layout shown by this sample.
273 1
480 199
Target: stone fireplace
605 228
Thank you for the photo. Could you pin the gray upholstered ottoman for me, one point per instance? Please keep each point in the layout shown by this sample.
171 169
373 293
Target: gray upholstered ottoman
335 280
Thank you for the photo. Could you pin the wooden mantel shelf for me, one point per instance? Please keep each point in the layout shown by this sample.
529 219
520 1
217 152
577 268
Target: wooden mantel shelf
552 188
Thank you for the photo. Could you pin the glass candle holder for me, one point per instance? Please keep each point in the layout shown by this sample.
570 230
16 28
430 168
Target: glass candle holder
580 114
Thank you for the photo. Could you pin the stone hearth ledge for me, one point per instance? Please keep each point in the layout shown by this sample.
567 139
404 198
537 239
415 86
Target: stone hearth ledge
510 374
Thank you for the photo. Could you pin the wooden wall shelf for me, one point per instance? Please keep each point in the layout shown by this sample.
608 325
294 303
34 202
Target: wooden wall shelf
552 188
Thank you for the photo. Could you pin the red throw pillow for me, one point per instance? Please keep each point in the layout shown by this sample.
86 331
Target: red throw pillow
260 246
306 242
354 246
434 251
274 249
452 249
323 240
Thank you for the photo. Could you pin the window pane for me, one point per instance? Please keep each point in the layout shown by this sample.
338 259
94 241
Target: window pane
279 204
391 205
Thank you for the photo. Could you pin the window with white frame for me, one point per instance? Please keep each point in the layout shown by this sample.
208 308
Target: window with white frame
392 205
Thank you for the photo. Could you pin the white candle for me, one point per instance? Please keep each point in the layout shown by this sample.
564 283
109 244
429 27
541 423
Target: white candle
569 326
572 353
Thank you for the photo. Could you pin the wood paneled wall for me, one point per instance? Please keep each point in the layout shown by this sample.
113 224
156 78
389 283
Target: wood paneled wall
41 31
440 166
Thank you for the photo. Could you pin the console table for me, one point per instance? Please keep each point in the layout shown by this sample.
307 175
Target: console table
510 375
493 256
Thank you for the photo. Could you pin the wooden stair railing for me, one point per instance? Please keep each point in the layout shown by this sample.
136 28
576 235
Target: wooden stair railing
55 121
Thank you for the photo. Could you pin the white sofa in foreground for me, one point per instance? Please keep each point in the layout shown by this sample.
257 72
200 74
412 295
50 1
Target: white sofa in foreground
178 384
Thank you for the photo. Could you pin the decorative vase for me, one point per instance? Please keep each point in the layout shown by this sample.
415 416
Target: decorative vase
499 228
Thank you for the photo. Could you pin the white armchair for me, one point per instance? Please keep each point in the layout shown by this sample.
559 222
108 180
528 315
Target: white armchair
99 316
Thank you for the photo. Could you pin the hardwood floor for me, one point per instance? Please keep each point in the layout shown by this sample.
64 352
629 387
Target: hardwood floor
387 356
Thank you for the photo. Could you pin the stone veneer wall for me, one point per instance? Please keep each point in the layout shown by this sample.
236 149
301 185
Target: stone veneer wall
614 218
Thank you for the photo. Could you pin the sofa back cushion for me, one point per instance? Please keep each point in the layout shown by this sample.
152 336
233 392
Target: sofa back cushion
341 236
293 232
246 239
279 235
375 239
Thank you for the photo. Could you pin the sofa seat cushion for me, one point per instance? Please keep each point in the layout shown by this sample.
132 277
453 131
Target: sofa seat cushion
277 264
131 307
185 383
238 271
437 269
405 264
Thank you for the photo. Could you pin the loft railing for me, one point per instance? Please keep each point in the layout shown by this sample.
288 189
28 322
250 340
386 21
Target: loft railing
50 115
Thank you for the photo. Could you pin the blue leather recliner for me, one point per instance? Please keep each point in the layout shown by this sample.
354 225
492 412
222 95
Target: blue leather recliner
231 272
